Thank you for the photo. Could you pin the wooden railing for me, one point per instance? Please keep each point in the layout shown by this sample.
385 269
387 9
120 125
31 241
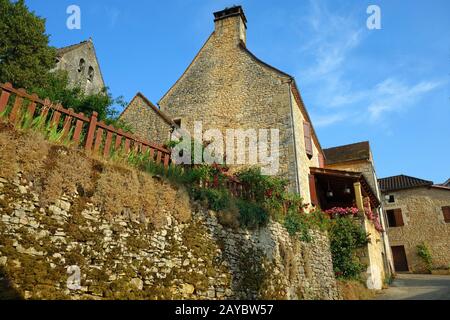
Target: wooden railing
223 179
87 132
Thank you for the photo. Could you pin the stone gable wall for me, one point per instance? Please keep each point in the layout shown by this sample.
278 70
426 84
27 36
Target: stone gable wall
225 87
70 62
145 122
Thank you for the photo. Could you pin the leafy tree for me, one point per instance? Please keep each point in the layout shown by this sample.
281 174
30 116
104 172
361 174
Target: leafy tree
25 55
58 90
27 61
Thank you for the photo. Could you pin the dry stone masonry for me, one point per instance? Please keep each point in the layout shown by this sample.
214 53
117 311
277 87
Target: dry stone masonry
125 257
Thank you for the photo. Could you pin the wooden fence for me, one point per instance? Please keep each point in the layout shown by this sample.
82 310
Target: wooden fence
86 132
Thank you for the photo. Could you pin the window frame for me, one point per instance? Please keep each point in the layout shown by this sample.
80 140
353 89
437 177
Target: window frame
397 216
81 65
446 213
91 74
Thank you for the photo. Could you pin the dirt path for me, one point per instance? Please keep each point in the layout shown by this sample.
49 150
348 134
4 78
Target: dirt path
418 287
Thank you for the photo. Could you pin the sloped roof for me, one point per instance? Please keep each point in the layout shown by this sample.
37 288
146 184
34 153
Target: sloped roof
63 50
349 152
357 176
158 112
446 183
402 182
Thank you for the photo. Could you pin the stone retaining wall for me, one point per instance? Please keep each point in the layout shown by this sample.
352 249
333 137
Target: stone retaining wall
125 257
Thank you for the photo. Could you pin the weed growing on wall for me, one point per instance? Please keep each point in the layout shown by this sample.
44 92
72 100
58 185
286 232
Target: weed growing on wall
424 253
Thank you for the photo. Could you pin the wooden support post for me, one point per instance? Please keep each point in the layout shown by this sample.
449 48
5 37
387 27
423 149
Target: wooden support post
109 135
77 133
15 112
5 97
32 106
166 161
98 140
91 131
358 196
118 140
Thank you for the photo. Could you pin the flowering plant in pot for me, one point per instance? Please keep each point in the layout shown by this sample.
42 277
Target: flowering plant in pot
374 217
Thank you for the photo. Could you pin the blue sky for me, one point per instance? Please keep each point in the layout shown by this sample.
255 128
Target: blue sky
388 86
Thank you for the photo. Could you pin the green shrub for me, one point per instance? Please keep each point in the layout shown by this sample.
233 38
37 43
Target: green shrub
218 199
261 188
346 236
251 215
295 223
424 253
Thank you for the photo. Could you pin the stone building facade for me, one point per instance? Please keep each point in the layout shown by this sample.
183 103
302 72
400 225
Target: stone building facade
147 120
358 157
227 87
81 63
418 212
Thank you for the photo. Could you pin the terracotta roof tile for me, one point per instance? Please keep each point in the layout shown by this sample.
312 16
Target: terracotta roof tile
402 182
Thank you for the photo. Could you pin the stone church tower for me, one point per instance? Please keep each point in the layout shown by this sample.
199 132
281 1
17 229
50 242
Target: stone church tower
80 62
227 87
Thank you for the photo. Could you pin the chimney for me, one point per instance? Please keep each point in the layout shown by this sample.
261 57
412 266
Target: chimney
231 25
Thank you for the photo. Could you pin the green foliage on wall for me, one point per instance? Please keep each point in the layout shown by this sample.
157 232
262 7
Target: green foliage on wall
251 215
424 253
346 237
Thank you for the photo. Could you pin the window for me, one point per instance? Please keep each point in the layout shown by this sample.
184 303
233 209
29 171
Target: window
390 198
308 139
91 74
395 218
81 66
446 212
177 122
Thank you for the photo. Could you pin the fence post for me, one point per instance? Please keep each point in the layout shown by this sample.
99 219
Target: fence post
5 97
91 131
15 112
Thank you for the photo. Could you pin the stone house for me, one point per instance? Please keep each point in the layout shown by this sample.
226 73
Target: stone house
147 120
358 157
227 87
417 211
81 63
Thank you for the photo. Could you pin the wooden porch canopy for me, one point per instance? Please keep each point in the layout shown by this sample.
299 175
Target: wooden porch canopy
354 176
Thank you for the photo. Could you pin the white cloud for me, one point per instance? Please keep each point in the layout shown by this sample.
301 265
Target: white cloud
113 15
329 79
326 120
394 96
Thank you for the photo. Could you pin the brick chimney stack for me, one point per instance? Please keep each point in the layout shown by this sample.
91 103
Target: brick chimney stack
231 25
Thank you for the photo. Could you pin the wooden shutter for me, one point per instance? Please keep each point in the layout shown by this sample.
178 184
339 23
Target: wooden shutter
398 218
312 190
308 138
446 211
